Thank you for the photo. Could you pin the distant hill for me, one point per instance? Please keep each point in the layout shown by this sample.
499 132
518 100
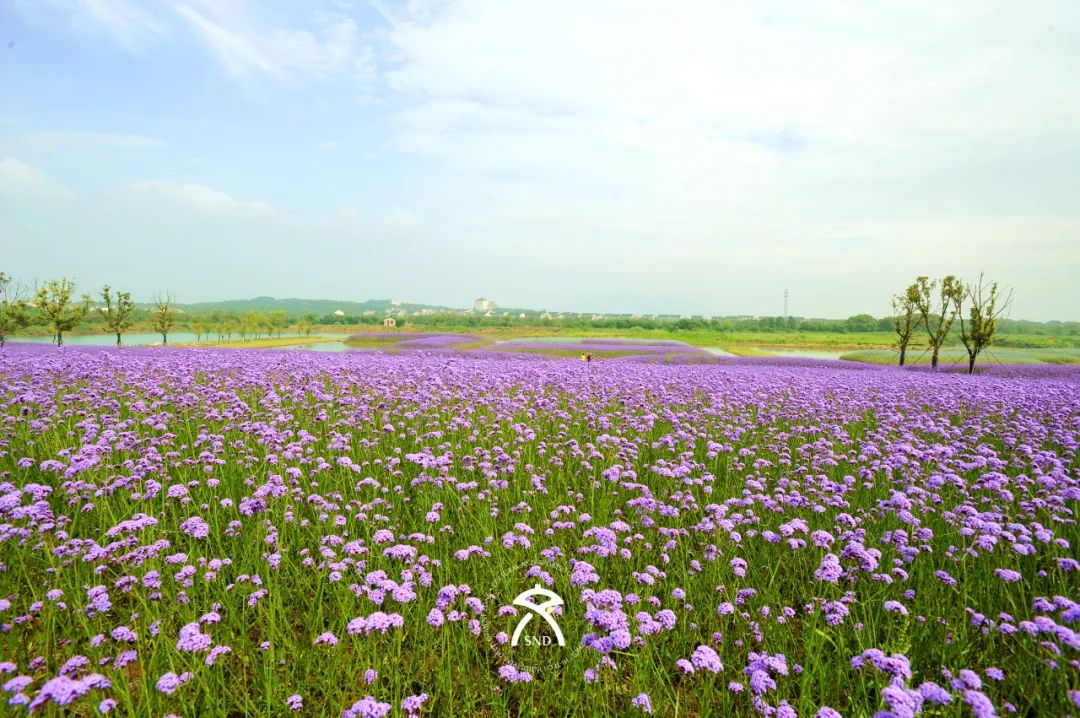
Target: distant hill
303 306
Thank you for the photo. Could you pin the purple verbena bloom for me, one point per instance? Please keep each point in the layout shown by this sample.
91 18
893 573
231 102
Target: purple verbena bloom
366 707
641 701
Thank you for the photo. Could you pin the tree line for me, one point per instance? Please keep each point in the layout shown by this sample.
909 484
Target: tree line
928 307
54 304
934 306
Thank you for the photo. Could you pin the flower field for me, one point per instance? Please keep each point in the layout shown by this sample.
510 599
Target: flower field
225 533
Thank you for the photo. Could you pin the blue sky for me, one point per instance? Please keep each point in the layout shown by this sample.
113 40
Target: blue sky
687 157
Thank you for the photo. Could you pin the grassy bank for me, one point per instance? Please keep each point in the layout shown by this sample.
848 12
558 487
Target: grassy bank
746 343
957 356
275 343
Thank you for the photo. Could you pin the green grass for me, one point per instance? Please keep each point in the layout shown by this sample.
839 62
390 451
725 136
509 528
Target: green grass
958 356
274 343
183 415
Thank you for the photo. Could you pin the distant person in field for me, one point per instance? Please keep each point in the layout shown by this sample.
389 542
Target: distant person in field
583 358
588 356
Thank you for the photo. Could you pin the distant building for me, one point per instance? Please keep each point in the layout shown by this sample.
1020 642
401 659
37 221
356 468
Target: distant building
339 313
389 322
483 305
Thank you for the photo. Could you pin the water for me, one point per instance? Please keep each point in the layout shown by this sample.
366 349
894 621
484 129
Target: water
333 343
323 347
108 340
807 353
148 339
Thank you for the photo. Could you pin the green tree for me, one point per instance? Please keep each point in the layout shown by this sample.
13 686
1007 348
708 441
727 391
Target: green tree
118 311
903 306
164 315
279 320
55 305
937 313
988 303
860 323
14 309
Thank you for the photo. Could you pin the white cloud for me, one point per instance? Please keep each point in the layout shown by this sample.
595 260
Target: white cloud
248 48
401 219
202 198
19 180
130 23
50 139
708 132
673 96
249 39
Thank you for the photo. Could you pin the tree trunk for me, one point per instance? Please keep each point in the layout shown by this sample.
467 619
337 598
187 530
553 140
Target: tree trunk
118 339
933 359
164 339
59 338
903 354
971 363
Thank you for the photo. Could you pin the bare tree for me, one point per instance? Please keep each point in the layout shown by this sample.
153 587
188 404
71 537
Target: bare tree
164 315
118 311
904 315
937 314
14 309
988 303
54 302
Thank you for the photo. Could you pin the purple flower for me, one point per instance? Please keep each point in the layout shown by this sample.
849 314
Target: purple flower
413 704
981 706
705 658
294 702
830 570
366 707
327 638
1007 575
761 682
896 607
511 674
933 693
18 683
193 639
61 691
641 701
169 682
196 527
215 653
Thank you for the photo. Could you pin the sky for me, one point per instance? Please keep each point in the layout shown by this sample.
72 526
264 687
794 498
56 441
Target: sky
667 156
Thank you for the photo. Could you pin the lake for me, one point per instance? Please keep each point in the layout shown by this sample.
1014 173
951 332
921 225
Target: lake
806 353
147 339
